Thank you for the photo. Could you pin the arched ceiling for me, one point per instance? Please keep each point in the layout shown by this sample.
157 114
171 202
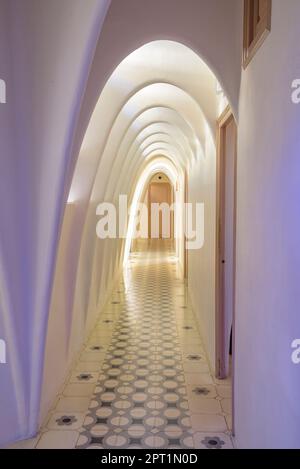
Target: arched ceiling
157 165
161 100
160 104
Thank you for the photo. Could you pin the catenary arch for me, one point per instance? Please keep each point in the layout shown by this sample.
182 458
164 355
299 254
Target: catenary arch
129 108
150 97
165 127
160 164
178 125
113 127
117 90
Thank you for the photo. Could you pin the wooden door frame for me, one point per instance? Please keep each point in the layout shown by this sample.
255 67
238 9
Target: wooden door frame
225 118
185 239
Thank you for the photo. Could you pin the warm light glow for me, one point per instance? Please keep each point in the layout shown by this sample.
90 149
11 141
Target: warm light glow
158 166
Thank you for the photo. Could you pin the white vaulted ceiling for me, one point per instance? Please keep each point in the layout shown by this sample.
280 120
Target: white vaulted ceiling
160 103
161 99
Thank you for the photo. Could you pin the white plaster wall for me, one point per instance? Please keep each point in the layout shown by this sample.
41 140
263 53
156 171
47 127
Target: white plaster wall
267 406
60 348
201 262
12 407
46 48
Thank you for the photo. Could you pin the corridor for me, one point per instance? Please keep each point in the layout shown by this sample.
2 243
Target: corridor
142 380
128 120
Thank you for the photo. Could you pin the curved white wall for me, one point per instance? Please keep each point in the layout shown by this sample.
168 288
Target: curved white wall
40 56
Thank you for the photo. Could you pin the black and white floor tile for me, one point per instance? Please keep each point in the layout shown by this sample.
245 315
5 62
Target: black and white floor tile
143 380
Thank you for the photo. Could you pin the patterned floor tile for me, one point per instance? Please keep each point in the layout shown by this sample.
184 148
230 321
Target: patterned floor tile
143 380
65 421
212 441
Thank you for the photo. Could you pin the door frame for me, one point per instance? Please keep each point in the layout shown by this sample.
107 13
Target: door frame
185 239
170 202
225 118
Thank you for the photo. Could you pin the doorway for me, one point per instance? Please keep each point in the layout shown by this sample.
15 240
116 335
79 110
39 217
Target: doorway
225 242
160 192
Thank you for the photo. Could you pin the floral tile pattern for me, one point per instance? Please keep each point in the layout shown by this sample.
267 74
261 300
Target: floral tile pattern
66 420
140 399
143 379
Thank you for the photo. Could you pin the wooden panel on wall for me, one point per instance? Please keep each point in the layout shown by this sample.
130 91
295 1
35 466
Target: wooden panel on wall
257 26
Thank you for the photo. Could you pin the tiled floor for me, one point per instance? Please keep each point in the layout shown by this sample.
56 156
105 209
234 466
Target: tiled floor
143 380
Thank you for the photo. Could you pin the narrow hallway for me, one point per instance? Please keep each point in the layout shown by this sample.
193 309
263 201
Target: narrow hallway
125 125
143 371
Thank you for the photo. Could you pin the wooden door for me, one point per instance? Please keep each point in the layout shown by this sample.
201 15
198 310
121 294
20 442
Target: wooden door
226 240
